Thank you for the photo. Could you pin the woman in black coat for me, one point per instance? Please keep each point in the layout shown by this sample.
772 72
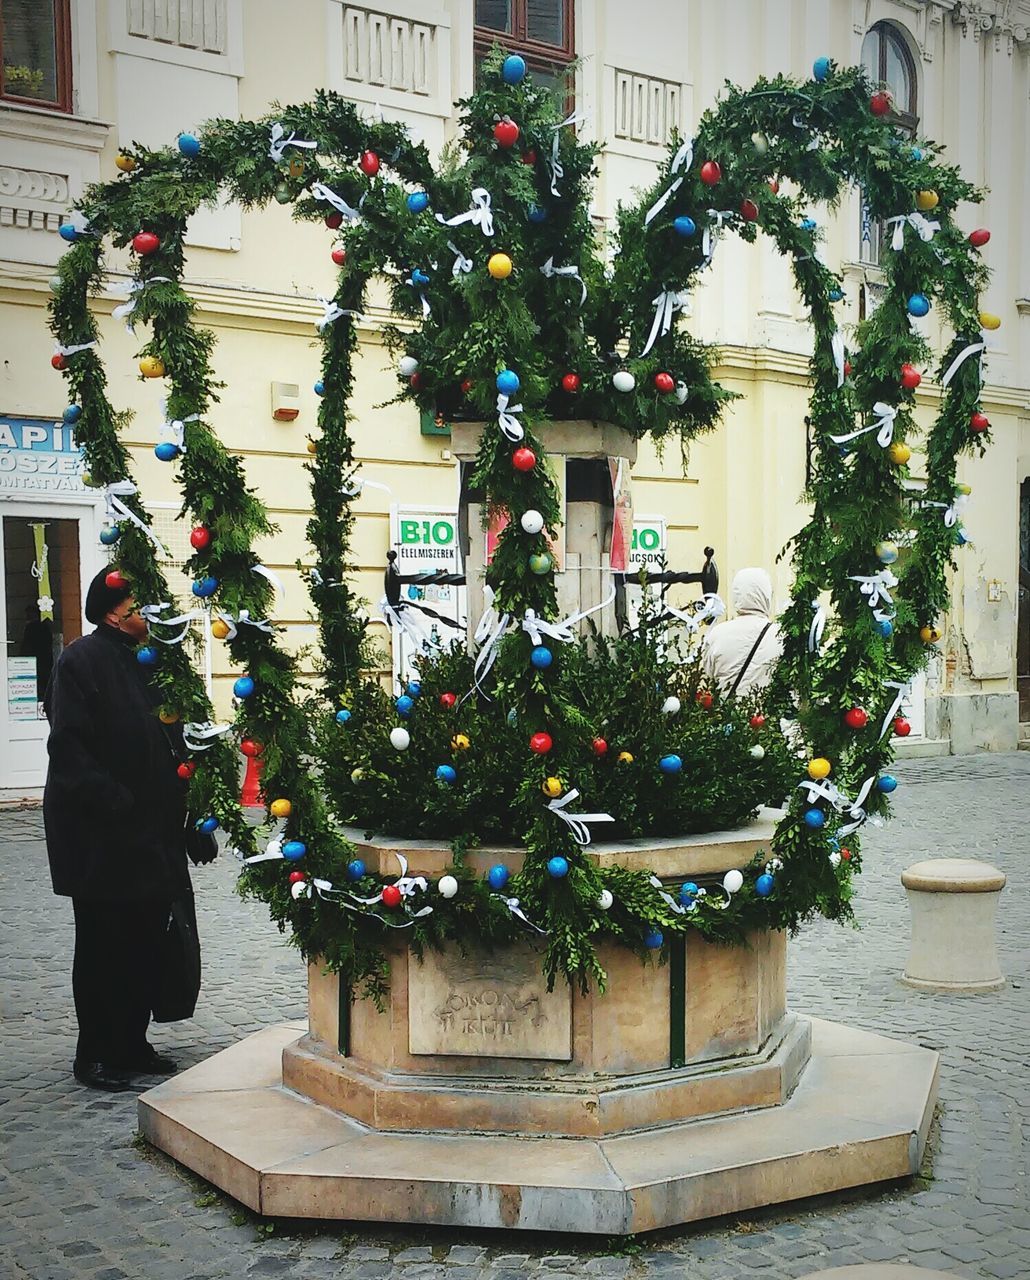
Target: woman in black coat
114 810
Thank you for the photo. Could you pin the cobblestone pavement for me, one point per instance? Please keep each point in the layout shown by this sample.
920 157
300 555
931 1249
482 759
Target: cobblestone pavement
80 1198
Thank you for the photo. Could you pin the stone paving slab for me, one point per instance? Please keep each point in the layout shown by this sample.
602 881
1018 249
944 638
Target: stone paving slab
81 1199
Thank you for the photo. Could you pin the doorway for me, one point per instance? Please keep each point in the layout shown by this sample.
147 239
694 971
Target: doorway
41 564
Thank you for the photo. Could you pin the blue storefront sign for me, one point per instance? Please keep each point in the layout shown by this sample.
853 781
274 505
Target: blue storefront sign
38 456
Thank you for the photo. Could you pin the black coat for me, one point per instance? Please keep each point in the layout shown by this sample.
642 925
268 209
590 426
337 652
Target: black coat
114 807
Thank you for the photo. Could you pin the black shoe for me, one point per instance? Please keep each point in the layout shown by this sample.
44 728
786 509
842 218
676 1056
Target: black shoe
147 1061
100 1075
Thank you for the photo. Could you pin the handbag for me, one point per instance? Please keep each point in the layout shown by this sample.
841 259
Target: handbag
177 981
748 660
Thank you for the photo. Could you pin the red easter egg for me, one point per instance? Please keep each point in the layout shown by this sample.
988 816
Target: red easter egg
296 877
664 382
902 727
856 718
749 211
846 854
523 459
571 382
756 722
711 172
145 242
415 382
773 186
116 580
250 748
58 361
910 376
880 103
391 896
847 368
333 220
704 699
599 747
200 537
339 256
369 163
979 237
506 133
448 700
979 421
528 157
466 386
541 743
186 770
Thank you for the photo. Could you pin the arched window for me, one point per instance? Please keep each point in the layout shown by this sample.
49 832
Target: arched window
888 63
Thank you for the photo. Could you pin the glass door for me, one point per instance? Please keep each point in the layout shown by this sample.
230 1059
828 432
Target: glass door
42 600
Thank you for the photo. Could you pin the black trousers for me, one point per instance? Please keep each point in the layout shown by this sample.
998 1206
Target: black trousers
116 949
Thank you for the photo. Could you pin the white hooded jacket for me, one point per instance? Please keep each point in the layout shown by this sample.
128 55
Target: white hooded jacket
729 643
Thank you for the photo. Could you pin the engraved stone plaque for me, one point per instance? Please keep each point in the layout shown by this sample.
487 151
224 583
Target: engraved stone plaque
488 1006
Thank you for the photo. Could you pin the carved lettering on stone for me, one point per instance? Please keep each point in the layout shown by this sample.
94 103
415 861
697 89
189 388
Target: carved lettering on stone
488 1006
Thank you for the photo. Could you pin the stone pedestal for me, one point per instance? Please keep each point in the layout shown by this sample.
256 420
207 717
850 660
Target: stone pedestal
954 906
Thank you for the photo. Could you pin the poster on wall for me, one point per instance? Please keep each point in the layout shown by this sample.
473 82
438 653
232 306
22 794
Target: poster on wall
22 690
39 457
622 516
434 614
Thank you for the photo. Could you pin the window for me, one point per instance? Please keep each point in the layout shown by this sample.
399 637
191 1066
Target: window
888 62
35 52
540 30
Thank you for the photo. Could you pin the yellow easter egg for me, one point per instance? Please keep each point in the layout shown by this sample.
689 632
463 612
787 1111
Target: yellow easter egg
899 453
312 447
625 757
988 320
819 768
552 787
168 717
357 775
124 162
964 489
152 367
219 629
929 635
499 266
460 742
280 808
927 200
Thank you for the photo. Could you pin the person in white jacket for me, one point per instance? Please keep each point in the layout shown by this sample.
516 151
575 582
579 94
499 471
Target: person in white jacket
740 655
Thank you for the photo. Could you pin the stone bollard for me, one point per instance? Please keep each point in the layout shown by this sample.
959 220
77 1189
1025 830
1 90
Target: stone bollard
954 904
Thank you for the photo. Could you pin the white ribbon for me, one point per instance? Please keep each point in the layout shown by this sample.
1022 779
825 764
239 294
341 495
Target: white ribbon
116 510
666 304
480 215
175 429
131 289
667 897
828 791
274 579
408 885
332 312
513 906
952 510
80 222
426 308
279 142
400 618
321 192
918 222
876 587
710 238
712 608
73 350
357 485
974 348
798 123
815 631
902 687
577 822
489 631
198 735
274 848
149 613
557 171
883 426
856 812
461 263
537 628
510 426
551 271
244 620
683 159
837 347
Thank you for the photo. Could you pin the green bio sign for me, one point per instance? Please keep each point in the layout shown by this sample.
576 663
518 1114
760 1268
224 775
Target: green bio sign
425 538
649 542
438 532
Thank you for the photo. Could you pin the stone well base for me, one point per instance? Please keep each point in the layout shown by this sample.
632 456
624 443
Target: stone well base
859 1114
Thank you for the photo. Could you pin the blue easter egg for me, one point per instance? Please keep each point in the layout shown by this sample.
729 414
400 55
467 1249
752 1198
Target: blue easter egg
294 850
670 764
821 68
355 869
764 885
541 657
243 687
417 202
419 278
835 295
886 783
557 867
189 145
508 382
513 69
446 773
653 939
808 224
918 304
72 414
917 153
815 818
404 705
342 716
166 451
146 656
110 534
414 688
688 893
961 537
207 825
320 388
205 587
684 226
886 628
67 232
498 876
537 213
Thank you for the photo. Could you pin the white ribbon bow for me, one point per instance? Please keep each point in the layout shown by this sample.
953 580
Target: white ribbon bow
883 426
400 617
279 142
489 631
480 215
149 613
876 587
274 847
902 687
461 263
131 289
73 350
321 192
199 735
710 238
837 348
510 426
974 348
244 620
666 304
551 271
557 170
174 429
513 906
918 222
712 608
815 631
667 897
331 312
577 822
116 510
952 510
562 631
829 791
683 159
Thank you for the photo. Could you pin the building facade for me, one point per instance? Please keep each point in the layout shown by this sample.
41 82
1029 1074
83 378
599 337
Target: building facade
82 77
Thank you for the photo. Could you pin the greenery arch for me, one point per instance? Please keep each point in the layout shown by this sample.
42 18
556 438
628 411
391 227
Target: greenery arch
755 162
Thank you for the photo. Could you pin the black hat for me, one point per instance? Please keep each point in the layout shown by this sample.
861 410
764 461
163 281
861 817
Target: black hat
102 598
